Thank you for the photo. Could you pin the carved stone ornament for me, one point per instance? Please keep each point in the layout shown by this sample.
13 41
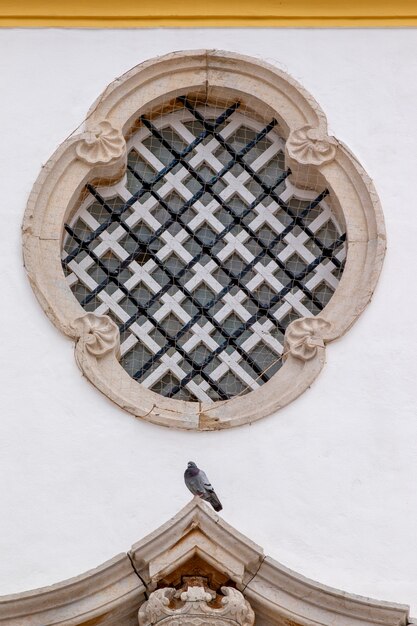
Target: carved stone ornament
312 159
310 146
98 333
193 608
305 336
102 144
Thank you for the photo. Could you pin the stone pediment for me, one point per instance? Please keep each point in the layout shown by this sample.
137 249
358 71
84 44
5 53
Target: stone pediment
198 544
196 533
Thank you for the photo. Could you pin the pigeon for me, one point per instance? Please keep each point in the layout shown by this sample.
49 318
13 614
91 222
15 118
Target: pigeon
199 485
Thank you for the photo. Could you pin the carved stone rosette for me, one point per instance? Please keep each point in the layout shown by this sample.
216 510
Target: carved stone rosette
305 336
194 607
101 145
311 146
98 333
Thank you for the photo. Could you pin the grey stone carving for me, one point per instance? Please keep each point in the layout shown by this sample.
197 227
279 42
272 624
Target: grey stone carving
192 608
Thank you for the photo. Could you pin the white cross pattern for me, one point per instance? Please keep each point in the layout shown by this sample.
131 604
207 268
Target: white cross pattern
203 269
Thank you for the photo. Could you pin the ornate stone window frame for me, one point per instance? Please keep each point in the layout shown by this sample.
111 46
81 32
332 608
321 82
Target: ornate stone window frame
100 152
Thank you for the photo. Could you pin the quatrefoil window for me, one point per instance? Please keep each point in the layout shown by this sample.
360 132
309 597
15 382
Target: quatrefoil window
204 252
201 243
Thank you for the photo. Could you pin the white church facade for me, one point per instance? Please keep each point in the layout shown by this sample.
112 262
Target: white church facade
219 223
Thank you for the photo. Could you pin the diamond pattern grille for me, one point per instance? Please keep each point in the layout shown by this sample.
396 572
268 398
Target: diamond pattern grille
204 252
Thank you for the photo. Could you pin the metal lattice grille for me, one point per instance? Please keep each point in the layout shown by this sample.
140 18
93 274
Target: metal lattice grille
204 252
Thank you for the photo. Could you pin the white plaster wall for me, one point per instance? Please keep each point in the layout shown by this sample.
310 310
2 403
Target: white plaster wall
328 485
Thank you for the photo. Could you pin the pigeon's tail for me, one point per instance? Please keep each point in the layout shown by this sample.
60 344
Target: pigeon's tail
214 501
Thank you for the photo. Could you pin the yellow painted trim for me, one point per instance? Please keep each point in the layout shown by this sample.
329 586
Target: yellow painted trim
214 13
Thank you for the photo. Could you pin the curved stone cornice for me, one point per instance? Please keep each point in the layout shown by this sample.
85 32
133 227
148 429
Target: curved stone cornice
108 595
112 594
99 153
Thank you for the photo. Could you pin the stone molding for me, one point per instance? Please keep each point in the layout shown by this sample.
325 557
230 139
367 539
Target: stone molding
108 595
278 590
100 152
112 594
188 14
